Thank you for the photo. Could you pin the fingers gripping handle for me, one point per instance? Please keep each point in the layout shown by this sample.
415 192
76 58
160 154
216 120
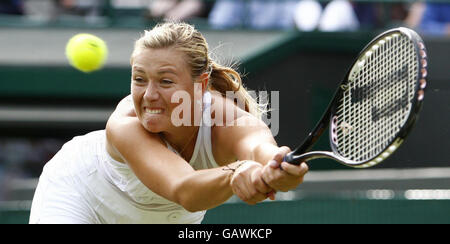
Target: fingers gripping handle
289 158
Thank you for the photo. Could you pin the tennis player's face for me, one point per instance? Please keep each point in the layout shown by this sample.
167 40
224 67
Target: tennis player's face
156 75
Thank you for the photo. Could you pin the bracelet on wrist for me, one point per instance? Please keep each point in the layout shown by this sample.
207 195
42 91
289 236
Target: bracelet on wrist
228 168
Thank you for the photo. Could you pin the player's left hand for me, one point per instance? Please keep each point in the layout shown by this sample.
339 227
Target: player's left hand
287 177
247 183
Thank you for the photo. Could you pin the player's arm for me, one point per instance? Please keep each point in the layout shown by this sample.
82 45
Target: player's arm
253 140
163 171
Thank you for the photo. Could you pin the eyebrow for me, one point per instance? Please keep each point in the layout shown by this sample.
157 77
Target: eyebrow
138 69
167 70
159 72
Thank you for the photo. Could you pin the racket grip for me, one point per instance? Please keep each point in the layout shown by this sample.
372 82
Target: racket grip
289 158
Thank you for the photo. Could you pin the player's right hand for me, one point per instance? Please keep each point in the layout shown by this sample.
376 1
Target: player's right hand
282 176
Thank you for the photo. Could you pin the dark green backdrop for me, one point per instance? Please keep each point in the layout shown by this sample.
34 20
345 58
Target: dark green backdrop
305 69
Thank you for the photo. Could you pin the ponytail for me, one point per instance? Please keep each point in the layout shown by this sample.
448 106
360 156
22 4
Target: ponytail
223 79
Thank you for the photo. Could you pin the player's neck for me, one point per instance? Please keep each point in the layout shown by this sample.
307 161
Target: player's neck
182 137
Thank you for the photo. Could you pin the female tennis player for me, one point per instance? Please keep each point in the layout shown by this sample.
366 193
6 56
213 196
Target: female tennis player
146 167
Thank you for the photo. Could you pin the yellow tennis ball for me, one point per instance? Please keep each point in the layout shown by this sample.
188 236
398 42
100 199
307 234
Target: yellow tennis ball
86 52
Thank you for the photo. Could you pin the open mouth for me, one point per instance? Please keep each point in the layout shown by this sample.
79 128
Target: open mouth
153 110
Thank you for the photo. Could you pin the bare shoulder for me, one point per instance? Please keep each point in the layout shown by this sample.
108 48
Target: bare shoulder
125 107
124 128
227 113
122 117
233 127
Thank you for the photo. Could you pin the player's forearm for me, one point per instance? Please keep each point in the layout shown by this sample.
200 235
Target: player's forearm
264 152
205 189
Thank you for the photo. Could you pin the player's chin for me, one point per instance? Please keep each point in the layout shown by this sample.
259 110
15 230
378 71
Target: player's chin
153 126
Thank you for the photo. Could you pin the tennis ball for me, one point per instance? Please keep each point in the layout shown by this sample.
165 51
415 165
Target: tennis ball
86 52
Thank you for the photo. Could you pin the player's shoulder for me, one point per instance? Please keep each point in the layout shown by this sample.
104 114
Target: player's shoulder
125 107
226 111
234 121
127 131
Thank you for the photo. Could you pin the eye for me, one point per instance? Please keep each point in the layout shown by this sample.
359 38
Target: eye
138 79
166 81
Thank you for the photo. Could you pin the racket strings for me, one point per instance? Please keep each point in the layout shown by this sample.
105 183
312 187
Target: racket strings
377 100
378 141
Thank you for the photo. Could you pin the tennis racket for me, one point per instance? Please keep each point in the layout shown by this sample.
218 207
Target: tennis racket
375 106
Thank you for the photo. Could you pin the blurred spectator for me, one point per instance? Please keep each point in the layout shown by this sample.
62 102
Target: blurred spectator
430 18
367 14
256 14
26 157
14 7
346 15
80 7
178 10
398 12
23 158
415 14
337 15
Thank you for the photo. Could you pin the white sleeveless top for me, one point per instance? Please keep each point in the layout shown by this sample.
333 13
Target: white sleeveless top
84 184
202 158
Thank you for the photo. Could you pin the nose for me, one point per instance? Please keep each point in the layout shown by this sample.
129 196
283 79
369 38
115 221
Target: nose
151 93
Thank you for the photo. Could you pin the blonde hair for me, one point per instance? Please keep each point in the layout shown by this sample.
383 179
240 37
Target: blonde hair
187 39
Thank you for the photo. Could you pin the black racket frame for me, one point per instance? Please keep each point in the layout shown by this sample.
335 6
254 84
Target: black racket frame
300 153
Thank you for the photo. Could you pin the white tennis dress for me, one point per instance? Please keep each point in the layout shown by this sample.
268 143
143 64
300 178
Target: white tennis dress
83 184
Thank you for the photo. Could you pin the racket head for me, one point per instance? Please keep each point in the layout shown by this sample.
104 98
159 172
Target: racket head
379 100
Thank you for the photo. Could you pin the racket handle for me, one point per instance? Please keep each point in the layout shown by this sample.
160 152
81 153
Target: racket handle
297 159
289 158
